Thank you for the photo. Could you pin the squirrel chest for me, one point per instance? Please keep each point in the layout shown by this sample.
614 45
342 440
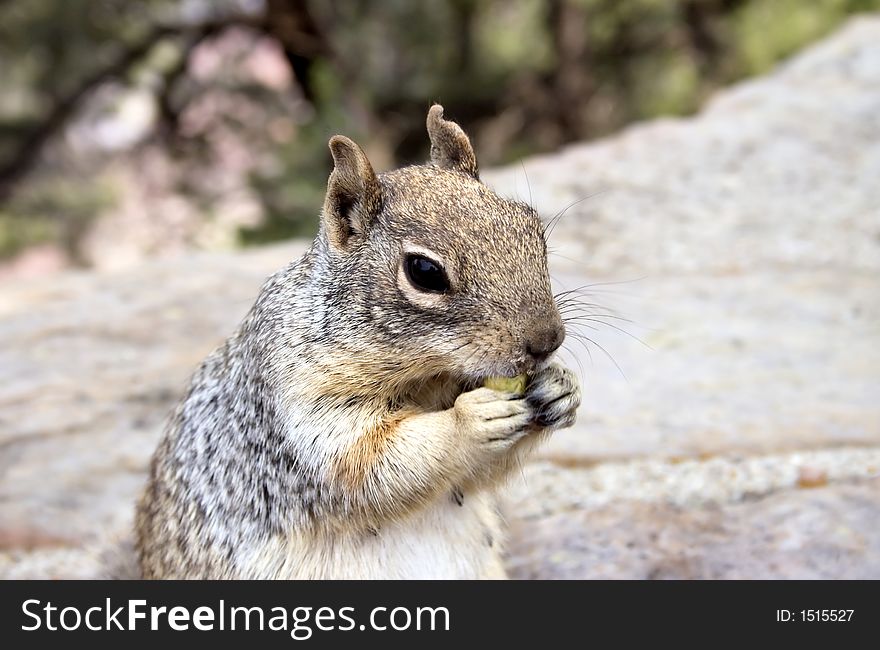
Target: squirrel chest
445 540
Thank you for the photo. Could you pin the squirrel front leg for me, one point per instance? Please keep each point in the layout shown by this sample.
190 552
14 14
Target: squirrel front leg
553 396
409 458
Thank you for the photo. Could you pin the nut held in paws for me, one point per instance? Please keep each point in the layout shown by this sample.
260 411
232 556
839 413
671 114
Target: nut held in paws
515 385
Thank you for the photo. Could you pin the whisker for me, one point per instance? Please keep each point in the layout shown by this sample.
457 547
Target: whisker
551 224
528 184
580 310
587 348
574 298
581 307
606 284
584 301
579 321
579 336
575 312
574 321
583 374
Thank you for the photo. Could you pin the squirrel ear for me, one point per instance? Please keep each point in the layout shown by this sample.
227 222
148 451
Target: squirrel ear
450 146
353 194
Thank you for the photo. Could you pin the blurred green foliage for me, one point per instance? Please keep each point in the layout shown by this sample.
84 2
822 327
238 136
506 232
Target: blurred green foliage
57 210
522 76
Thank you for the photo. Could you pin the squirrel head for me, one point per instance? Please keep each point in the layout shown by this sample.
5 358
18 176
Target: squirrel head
433 270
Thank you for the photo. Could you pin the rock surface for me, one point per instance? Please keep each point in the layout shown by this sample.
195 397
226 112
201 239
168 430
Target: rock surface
826 534
741 245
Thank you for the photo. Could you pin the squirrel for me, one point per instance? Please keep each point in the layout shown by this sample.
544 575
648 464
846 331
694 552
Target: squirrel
343 430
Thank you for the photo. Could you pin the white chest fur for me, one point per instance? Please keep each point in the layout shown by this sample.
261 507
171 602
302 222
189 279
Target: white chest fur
443 541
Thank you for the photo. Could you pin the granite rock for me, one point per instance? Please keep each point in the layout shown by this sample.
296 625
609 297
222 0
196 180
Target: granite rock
728 340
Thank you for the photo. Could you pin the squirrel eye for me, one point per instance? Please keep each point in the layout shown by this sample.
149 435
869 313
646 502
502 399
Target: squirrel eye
425 274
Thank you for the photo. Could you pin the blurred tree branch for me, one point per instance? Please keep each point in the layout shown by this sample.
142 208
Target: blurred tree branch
293 25
571 81
26 153
700 19
523 76
169 114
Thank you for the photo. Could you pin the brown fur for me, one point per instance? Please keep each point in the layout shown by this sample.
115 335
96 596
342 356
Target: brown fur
361 459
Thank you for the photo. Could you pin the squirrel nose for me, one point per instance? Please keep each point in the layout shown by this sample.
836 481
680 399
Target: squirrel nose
545 341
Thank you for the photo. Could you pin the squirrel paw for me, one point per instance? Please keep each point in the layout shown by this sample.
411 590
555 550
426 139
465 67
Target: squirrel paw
495 419
553 396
